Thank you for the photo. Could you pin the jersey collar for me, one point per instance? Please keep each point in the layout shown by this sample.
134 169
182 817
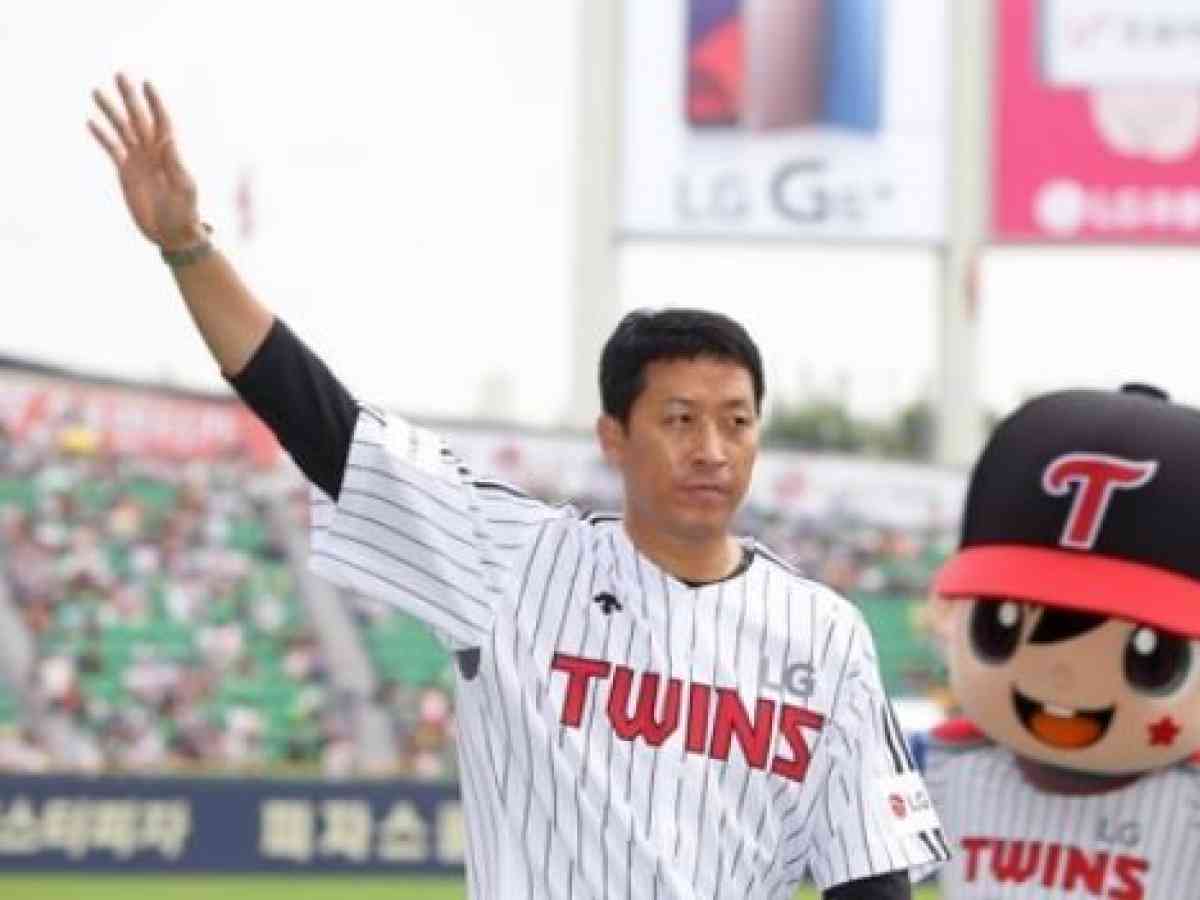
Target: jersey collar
1054 780
630 549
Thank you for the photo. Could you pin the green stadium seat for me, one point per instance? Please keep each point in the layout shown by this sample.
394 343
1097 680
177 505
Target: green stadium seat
158 496
247 535
908 660
10 706
20 492
404 650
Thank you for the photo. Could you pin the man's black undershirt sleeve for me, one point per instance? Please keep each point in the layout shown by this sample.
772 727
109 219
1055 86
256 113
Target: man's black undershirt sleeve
892 886
302 402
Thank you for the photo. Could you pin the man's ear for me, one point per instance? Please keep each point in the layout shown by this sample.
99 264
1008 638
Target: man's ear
611 434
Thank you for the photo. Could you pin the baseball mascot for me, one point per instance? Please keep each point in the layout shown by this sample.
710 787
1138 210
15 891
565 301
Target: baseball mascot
1071 617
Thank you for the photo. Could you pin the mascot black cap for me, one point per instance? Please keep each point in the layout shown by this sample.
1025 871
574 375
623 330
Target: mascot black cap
1088 500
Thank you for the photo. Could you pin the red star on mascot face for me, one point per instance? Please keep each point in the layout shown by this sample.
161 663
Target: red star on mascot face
1163 732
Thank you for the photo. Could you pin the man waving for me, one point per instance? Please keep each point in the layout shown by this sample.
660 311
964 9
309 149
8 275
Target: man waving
632 723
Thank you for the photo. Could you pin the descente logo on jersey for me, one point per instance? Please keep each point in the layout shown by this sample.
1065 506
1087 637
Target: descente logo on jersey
715 716
1055 866
607 603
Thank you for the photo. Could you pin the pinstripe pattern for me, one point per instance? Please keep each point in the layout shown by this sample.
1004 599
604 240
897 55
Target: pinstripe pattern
671 785
1003 829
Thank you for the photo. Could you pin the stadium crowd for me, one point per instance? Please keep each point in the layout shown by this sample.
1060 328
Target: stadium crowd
162 607
170 634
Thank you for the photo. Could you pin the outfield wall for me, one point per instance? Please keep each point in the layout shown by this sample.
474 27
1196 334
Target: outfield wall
230 825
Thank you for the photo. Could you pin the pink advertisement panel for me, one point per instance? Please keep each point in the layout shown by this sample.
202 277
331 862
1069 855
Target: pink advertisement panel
1097 121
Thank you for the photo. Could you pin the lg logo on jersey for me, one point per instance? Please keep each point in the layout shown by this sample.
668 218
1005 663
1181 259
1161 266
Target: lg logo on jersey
715 716
797 679
1128 834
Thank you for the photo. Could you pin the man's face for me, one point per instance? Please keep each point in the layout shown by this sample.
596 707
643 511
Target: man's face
688 451
1117 698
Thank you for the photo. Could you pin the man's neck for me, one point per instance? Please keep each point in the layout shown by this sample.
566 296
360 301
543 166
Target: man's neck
690 561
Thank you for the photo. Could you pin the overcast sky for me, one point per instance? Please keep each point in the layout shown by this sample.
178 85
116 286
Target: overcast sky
411 177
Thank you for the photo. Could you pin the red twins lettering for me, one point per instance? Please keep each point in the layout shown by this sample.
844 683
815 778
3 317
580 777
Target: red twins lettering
791 720
1055 866
580 671
706 732
1096 476
642 722
732 718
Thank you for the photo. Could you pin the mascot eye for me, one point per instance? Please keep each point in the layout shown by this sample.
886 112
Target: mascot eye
996 629
1155 662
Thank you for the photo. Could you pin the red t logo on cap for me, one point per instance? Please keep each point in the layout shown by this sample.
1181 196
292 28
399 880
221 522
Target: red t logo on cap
1097 475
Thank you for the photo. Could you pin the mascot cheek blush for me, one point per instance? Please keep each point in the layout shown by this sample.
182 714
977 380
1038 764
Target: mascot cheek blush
1071 617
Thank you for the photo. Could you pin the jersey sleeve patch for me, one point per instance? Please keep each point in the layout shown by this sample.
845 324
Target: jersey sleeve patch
419 448
904 802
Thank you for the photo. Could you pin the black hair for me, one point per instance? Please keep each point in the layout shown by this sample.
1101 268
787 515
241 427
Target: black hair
1057 624
645 336
997 624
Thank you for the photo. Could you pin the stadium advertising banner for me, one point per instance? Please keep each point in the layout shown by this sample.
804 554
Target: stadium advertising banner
819 119
1097 124
86 418
232 825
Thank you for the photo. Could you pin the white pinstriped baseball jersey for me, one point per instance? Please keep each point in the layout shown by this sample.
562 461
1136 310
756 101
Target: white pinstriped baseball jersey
1015 842
626 734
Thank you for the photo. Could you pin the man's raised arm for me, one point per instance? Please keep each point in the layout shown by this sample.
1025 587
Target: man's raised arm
162 199
409 522
277 376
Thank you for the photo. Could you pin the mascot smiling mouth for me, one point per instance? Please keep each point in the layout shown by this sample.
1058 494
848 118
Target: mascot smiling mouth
1062 727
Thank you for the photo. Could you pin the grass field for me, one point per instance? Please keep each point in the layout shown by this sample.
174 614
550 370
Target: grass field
264 887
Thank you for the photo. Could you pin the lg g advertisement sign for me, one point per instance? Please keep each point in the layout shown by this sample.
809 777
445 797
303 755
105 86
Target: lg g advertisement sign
822 119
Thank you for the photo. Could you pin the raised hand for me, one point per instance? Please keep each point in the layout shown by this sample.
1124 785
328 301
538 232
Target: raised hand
158 190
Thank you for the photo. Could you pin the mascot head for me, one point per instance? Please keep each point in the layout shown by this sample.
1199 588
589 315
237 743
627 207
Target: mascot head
1071 611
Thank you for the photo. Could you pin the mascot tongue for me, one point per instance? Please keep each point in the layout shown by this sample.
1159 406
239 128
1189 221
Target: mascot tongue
1074 732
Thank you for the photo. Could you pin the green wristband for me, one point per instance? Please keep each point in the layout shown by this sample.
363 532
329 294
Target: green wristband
189 255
